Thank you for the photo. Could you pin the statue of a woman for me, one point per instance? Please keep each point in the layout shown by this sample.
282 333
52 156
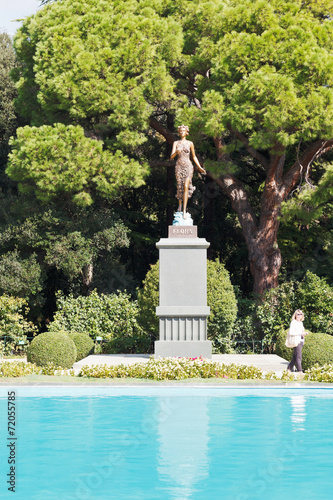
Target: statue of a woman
184 167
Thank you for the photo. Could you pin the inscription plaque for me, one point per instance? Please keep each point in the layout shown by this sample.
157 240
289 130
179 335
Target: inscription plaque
183 232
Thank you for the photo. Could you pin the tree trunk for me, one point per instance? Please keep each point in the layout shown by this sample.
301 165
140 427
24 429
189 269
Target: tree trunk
87 276
260 235
265 256
265 262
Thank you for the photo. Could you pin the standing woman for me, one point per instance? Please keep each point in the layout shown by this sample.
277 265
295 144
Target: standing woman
184 167
297 332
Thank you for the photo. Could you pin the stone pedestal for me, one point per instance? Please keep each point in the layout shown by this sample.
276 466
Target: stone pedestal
183 309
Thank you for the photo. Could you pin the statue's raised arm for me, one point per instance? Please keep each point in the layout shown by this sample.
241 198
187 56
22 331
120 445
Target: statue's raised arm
184 168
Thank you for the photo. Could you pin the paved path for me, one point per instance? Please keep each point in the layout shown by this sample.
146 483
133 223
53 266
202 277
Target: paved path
266 362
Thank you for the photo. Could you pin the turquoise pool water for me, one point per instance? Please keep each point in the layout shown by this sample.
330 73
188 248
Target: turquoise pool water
144 443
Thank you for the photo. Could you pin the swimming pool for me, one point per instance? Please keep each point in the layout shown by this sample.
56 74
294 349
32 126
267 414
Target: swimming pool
177 443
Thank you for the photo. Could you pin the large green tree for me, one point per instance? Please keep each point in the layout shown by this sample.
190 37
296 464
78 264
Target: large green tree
252 79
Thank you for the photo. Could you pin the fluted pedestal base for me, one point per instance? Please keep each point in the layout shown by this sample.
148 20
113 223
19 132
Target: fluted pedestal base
183 348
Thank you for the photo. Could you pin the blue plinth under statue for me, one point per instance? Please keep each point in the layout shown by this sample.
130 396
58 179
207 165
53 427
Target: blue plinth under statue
179 220
183 309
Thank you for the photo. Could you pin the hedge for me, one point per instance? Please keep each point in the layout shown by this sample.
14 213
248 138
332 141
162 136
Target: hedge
108 316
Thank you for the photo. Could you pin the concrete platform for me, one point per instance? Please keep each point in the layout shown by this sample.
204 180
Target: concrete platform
266 362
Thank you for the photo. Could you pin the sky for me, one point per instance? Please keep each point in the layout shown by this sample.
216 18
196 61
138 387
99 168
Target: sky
15 9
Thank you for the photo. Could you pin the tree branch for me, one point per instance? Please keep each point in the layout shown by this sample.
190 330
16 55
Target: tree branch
253 152
235 190
220 149
162 163
301 165
161 129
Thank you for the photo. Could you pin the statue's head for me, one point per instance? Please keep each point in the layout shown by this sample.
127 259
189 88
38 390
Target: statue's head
183 129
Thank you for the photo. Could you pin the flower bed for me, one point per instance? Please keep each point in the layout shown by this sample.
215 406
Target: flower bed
167 369
173 369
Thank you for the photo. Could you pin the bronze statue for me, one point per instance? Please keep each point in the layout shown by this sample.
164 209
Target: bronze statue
184 167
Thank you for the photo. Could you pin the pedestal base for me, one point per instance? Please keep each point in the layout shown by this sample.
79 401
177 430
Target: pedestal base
187 348
183 309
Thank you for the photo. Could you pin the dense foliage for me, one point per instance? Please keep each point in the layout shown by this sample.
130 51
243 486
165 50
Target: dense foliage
16 369
223 306
148 300
131 343
168 369
313 295
53 161
55 249
108 316
49 347
14 327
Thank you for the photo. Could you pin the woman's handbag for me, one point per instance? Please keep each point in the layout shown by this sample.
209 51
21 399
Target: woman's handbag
291 340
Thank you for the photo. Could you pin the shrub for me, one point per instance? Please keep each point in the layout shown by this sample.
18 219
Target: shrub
174 369
108 316
320 373
222 301
315 298
318 348
220 297
275 310
20 277
13 326
16 369
83 343
49 347
280 347
148 300
246 329
130 344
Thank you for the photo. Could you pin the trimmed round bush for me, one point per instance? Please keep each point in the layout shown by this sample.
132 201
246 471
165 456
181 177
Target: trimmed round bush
83 343
56 348
318 348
